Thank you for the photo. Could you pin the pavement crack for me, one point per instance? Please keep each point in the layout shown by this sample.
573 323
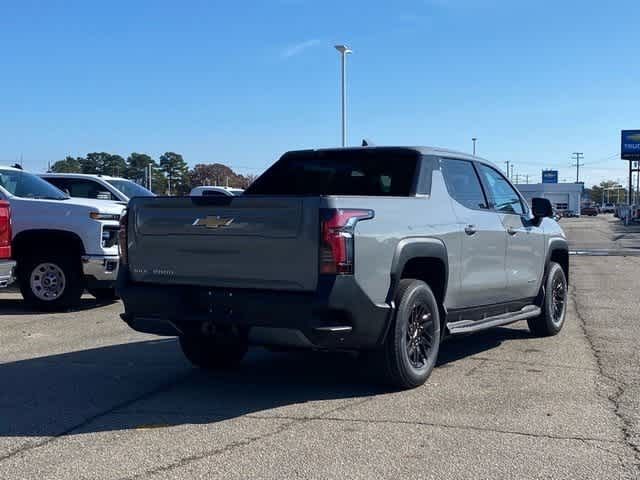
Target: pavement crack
619 386
294 421
533 363
450 426
50 439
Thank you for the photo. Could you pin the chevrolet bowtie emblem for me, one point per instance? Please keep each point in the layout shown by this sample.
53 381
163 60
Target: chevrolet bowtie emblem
212 221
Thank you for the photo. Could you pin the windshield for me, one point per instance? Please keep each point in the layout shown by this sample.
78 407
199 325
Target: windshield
26 185
131 189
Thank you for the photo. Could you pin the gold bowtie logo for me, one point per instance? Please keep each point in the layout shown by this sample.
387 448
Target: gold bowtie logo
212 221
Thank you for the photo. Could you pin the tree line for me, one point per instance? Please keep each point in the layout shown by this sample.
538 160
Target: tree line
608 191
170 174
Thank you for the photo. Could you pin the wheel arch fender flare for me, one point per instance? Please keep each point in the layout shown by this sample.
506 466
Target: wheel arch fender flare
45 239
557 246
412 248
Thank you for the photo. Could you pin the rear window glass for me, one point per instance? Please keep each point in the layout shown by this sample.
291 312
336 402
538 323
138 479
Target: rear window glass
349 172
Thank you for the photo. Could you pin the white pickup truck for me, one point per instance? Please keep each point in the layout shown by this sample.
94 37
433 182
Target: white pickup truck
61 245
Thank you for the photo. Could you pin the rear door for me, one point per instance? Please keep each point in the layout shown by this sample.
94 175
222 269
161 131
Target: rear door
525 241
482 271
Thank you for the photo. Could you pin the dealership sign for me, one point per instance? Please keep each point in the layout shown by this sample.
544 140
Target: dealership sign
550 176
630 147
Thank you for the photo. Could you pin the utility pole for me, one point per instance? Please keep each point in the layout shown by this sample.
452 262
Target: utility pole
578 156
511 177
474 145
344 51
630 182
527 176
507 162
637 181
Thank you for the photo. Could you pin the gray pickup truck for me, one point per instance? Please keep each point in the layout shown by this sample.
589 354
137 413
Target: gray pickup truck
382 250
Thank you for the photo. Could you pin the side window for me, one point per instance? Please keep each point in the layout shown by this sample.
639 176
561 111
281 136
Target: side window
212 193
463 183
503 196
60 183
88 189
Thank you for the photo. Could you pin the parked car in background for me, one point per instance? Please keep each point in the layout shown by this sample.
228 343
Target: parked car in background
589 210
208 191
608 208
7 265
61 245
97 187
378 250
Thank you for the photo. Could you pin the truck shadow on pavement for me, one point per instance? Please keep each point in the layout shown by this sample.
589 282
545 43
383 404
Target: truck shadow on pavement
17 306
149 384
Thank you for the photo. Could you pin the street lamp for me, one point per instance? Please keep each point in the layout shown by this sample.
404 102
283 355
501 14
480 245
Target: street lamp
344 51
474 145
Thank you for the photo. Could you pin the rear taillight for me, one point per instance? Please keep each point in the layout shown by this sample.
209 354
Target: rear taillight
336 239
122 240
5 229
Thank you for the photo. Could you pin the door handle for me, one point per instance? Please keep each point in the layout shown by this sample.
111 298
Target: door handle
511 231
470 229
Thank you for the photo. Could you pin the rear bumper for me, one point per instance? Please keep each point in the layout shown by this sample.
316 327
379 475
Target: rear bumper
338 315
6 272
100 270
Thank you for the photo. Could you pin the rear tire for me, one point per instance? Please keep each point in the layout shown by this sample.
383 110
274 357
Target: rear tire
554 305
51 282
413 341
207 353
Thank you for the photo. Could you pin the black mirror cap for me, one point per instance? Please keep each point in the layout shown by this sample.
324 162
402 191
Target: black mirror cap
541 207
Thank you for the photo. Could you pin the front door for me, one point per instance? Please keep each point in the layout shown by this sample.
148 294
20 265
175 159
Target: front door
525 241
483 238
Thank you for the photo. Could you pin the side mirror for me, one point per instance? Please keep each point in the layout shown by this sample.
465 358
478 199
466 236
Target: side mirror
541 207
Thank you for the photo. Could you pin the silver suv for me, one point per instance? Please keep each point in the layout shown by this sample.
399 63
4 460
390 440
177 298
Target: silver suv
383 250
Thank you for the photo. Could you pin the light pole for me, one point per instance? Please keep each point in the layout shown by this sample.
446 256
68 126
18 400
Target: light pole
474 145
344 51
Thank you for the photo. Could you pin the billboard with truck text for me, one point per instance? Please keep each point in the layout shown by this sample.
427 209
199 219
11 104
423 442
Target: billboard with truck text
630 145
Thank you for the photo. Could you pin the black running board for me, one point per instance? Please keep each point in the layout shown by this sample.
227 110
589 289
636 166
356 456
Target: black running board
470 326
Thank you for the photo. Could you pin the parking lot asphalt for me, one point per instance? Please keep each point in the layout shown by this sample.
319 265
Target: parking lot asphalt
83 396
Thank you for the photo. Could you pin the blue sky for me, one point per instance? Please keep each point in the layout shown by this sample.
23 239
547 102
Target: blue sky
241 82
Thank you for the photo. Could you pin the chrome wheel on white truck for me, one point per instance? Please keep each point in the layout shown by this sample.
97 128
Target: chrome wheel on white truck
51 282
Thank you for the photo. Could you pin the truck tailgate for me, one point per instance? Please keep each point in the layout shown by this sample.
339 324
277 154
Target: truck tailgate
233 242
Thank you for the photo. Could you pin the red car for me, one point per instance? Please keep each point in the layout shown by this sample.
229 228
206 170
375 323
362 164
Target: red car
590 211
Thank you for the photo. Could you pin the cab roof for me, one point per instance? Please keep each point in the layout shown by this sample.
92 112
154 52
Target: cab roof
80 175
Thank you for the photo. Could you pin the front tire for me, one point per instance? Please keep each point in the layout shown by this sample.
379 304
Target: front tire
51 282
413 341
554 305
205 352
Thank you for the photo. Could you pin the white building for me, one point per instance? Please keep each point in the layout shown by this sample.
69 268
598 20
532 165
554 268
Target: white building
563 196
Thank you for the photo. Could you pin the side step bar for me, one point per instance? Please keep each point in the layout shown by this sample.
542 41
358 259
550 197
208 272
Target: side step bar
470 326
